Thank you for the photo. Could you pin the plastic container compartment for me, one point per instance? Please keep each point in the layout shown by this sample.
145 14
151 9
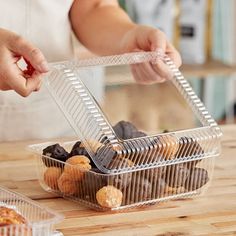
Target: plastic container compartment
133 168
40 220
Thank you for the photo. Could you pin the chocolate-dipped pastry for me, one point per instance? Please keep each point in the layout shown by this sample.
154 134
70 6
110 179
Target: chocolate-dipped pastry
138 134
118 128
176 175
126 130
121 180
79 149
56 152
105 154
189 147
197 178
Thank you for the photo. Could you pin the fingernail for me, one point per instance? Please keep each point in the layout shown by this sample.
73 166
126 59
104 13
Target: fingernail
44 67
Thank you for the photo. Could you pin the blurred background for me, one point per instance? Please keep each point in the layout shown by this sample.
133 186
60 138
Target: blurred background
204 32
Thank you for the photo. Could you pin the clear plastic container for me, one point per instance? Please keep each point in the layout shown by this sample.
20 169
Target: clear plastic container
40 220
132 166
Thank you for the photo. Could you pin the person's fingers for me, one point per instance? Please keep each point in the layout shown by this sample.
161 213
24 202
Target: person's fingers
23 86
144 74
4 86
174 55
31 53
39 86
162 69
150 75
137 75
157 41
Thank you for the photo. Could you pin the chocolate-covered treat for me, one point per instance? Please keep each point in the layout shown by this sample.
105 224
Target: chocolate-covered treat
198 177
118 128
105 154
79 149
126 130
120 181
56 152
176 175
189 147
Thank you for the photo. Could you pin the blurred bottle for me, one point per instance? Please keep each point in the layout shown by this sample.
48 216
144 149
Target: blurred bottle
193 29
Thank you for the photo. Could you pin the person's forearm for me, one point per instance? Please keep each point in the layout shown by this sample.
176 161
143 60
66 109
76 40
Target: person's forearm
100 26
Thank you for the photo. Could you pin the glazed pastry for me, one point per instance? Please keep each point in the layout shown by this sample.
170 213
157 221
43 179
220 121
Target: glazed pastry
56 152
197 179
9 216
66 185
109 197
169 146
51 176
77 166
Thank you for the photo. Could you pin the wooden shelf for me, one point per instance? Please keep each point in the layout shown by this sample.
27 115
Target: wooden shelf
116 76
209 68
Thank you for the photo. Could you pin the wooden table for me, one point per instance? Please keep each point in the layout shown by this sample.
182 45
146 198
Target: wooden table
211 214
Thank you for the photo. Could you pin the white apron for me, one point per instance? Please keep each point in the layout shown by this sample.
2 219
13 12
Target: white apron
46 24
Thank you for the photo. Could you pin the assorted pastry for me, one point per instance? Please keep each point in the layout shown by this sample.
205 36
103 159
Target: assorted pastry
73 172
10 217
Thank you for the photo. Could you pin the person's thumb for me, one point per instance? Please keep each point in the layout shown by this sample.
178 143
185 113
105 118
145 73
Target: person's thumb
158 42
32 54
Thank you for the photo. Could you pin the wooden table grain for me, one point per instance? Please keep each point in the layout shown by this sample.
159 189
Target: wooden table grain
213 213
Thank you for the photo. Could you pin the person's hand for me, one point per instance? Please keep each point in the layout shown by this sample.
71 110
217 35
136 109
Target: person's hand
144 38
12 77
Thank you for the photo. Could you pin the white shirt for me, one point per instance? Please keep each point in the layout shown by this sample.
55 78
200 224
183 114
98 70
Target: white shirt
46 24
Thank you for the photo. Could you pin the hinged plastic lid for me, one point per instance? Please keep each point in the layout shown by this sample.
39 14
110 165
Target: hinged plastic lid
98 136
